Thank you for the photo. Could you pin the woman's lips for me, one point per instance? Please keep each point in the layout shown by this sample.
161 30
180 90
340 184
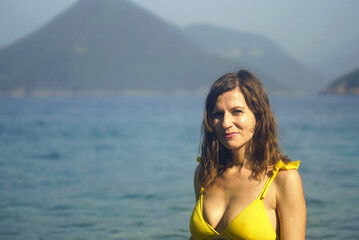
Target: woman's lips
230 135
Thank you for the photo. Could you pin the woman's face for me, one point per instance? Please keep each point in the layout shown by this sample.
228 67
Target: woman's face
233 121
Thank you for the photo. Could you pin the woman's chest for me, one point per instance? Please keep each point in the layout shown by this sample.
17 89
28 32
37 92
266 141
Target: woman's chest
225 200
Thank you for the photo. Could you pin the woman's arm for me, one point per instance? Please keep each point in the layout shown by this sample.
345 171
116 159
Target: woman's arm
196 181
291 205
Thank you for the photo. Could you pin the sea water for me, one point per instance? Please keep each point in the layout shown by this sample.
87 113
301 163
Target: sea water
122 167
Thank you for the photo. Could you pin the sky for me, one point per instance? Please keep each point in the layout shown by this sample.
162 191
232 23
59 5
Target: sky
306 29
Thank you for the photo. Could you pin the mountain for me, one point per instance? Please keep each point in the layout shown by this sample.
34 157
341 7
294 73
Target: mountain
111 46
107 45
347 84
257 52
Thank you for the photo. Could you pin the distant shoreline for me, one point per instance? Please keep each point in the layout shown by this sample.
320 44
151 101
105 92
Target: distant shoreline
99 93
341 90
141 92
145 92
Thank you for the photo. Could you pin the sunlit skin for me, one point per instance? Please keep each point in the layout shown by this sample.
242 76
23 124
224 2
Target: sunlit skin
233 190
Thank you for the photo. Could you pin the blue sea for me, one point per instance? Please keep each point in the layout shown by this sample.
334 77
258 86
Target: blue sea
121 167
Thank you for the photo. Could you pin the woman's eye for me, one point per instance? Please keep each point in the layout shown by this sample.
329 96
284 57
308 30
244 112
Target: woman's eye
217 115
237 111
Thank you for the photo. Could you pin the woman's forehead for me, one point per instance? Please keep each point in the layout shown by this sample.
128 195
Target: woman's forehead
231 99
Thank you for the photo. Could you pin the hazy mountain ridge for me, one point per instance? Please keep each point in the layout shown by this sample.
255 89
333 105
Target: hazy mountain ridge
256 51
114 45
347 84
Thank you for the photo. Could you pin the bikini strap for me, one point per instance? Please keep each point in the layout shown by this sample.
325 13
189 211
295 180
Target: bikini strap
279 166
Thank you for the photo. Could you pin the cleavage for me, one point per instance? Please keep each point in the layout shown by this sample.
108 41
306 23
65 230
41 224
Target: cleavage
221 204
221 213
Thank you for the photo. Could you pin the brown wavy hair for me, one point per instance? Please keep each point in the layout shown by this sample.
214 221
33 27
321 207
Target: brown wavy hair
262 150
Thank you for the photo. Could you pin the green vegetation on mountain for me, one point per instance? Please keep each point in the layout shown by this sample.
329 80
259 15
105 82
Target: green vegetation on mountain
347 84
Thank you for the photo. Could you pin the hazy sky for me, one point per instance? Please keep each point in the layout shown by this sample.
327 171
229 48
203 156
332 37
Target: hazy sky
305 28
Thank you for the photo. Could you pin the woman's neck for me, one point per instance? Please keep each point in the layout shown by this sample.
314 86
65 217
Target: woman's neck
238 158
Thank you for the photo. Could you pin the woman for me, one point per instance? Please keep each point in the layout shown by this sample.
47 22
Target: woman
245 187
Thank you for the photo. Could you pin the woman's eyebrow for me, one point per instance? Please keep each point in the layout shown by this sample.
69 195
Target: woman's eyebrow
232 108
238 107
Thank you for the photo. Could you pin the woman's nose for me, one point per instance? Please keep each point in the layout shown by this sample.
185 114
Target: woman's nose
227 121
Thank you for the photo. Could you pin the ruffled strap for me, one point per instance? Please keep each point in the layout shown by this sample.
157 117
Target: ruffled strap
286 166
279 166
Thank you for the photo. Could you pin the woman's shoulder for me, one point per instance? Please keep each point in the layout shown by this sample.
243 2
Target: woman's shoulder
288 178
197 172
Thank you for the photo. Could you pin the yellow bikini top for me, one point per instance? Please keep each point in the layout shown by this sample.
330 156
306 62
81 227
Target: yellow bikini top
251 223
